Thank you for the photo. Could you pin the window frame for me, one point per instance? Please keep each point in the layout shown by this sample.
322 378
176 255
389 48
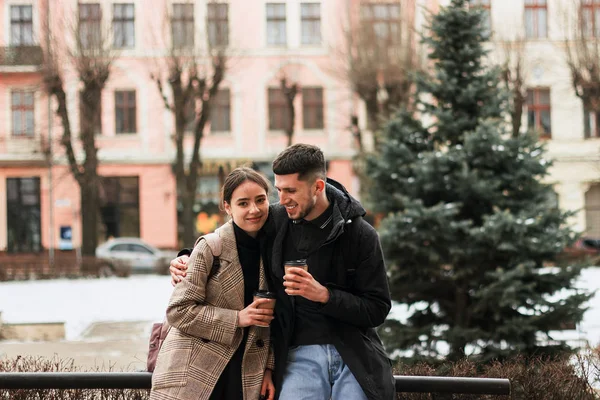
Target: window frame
93 23
216 19
312 21
185 19
121 195
277 108
537 108
127 105
310 107
594 9
123 21
220 107
22 215
368 16
278 19
22 24
591 124
535 6
22 109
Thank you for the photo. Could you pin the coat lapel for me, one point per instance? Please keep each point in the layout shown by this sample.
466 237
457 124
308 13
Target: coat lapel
232 277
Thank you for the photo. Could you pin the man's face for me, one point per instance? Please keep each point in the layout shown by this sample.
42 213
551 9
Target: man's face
298 197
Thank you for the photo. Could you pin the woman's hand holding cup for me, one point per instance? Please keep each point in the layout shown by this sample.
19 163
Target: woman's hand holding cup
257 313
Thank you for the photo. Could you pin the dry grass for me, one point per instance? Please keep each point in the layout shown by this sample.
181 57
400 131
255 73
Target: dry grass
55 364
532 379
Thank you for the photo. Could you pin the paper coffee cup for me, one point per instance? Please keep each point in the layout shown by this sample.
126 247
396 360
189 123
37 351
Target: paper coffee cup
265 294
295 263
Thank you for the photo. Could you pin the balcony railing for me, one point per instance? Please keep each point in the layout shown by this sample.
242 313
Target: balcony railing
21 56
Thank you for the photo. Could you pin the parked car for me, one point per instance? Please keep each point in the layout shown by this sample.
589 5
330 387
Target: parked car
140 255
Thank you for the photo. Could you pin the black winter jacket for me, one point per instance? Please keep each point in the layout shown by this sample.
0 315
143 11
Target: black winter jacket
359 294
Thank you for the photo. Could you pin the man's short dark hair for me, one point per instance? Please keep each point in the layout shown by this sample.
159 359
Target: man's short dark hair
306 160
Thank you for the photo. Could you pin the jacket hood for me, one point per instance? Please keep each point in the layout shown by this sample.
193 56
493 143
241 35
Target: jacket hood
349 207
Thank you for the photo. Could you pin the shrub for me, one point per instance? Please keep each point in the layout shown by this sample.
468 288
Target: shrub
534 378
55 364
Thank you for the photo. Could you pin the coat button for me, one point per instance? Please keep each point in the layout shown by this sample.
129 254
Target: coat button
260 343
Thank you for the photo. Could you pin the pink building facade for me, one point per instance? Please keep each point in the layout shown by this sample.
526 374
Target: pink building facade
299 39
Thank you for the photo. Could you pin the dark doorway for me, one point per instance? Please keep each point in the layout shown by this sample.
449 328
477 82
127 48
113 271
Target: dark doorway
23 215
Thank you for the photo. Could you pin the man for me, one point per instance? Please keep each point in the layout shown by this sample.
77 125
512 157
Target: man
323 332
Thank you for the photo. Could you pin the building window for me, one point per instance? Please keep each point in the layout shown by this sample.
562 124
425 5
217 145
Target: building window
536 19
182 25
123 25
592 211
220 114
125 112
22 111
209 215
279 113
485 6
21 25
23 215
538 111
276 24
384 20
312 108
90 25
119 207
591 124
590 18
218 24
97 120
311 23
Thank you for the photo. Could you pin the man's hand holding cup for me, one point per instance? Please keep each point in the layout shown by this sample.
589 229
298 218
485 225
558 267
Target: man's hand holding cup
299 282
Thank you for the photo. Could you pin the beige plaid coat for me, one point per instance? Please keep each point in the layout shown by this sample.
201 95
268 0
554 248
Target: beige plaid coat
204 334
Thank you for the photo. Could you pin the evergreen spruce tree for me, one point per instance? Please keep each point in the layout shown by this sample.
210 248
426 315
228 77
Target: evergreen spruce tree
470 224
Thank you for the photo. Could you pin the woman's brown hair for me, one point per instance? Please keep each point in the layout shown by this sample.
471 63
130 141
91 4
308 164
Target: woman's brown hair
239 176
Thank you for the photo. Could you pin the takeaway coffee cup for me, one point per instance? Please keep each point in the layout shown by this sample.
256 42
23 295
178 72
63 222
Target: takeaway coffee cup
295 263
264 294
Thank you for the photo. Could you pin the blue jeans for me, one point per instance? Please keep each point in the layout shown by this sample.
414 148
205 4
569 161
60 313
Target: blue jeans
317 372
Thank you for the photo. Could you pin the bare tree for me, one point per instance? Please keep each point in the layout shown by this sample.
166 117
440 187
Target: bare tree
513 76
290 90
583 59
380 60
91 57
193 73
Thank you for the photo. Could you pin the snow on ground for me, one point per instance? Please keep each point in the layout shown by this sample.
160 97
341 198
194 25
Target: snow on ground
80 302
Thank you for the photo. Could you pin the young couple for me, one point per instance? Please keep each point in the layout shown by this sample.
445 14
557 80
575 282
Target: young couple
320 342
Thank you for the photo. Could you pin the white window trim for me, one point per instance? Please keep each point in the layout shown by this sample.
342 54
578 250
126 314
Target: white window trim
37 115
321 12
35 17
114 113
200 13
288 30
127 51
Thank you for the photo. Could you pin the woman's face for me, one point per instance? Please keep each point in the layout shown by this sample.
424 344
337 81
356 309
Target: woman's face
249 207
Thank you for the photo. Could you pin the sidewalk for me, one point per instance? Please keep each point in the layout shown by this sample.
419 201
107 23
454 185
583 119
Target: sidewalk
116 346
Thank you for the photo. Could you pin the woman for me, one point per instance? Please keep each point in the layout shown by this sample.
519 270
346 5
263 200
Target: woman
219 344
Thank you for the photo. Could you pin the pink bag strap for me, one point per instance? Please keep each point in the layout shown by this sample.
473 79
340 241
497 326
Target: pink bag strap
164 330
